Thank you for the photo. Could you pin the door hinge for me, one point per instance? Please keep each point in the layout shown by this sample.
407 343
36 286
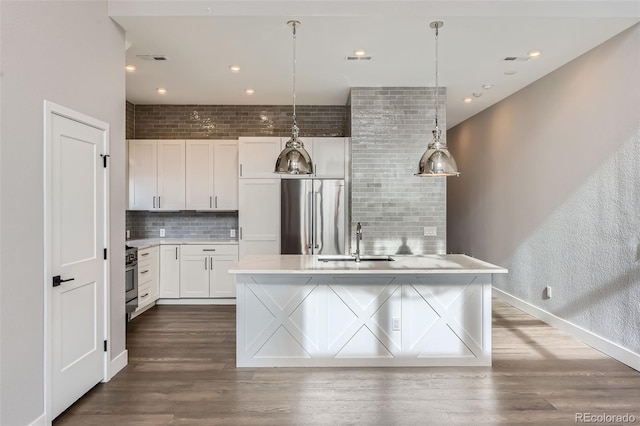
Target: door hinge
105 254
105 345
104 159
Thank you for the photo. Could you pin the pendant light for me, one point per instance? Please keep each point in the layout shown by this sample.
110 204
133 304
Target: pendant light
294 159
437 160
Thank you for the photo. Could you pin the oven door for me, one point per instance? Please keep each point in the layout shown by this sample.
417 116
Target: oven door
131 286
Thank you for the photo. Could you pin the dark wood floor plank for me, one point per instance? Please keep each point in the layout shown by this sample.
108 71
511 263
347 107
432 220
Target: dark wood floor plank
182 372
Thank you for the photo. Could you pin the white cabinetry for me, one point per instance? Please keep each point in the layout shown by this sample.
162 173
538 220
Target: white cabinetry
148 289
329 157
203 271
259 216
257 156
169 271
156 175
211 175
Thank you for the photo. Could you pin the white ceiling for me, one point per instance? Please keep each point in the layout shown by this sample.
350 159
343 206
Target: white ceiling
201 46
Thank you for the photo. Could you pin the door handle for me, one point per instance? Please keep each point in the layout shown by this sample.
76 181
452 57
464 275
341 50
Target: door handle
210 203
57 280
216 203
176 253
158 201
154 201
211 263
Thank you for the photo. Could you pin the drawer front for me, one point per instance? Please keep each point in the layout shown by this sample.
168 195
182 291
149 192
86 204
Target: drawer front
144 296
209 249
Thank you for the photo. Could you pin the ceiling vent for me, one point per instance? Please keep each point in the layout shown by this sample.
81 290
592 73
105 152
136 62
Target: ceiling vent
359 58
517 58
152 57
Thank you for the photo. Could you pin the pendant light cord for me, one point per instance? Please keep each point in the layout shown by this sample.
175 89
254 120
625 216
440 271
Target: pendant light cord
437 87
295 121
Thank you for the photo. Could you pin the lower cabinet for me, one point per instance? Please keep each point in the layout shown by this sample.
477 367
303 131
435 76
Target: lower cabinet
170 271
148 288
203 271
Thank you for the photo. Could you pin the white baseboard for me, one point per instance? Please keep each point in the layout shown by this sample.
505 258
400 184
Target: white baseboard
231 301
40 421
118 363
605 346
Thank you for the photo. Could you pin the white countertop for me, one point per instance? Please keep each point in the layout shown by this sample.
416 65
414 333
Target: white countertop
150 242
419 264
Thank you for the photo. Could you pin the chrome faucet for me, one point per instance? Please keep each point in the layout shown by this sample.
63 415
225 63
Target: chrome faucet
358 238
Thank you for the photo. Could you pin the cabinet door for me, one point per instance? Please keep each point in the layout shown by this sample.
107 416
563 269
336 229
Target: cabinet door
258 156
225 175
171 175
199 174
222 283
259 216
170 271
194 275
143 174
329 157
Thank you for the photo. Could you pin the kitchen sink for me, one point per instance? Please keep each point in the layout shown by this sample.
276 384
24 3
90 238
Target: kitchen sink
352 258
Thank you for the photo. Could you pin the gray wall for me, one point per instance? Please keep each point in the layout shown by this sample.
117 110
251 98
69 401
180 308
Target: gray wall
72 54
390 130
550 188
183 224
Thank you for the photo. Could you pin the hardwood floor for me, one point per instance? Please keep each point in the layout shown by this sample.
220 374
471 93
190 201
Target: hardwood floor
182 372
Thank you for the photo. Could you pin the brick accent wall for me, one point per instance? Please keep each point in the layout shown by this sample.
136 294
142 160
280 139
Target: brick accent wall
390 130
130 121
232 121
184 224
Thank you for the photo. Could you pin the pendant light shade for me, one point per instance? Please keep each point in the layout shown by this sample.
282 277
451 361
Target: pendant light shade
437 160
294 159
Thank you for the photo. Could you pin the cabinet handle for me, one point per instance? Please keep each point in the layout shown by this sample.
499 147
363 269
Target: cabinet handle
144 254
144 272
241 232
210 204
176 253
211 263
240 170
158 201
216 204
315 169
208 249
144 295
154 201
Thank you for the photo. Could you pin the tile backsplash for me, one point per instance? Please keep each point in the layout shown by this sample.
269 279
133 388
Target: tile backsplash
182 224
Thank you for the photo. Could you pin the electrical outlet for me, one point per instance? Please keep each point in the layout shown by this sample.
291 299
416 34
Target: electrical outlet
547 292
396 324
232 233
162 232
430 231
128 234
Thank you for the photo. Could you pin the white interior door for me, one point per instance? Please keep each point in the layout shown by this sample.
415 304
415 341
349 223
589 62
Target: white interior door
77 194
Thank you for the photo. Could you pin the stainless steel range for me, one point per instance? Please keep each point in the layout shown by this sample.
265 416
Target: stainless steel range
131 279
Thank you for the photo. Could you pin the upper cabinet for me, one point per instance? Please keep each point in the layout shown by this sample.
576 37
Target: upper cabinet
212 175
258 156
156 175
329 157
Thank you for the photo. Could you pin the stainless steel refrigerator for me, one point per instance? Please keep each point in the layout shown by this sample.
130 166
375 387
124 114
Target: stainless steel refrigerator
313 216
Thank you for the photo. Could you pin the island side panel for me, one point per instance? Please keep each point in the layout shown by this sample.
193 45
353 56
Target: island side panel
363 320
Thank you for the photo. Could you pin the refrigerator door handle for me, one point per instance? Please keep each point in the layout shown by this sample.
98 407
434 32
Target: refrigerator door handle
317 214
309 220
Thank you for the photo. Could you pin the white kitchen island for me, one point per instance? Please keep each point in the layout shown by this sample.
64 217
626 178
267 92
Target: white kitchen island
431 310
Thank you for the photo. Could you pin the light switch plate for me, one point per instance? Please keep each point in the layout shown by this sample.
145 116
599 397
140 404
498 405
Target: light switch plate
430 231
128 234
232 233
162 232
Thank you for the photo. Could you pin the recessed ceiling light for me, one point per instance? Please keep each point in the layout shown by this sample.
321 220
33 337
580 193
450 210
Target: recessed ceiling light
487 86
250 91
467 100
161 90
535 53
510 72
130 68
360 52
477 94
234 68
